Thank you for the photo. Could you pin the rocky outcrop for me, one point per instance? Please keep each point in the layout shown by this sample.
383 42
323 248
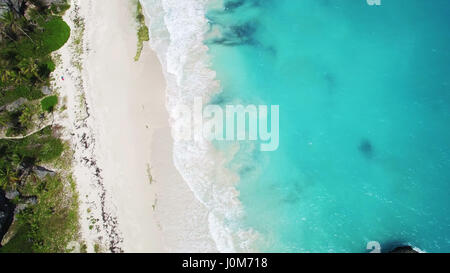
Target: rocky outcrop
12 231
42 172
13 105
12 194
8 210
46 90
404 249
24 203
6 213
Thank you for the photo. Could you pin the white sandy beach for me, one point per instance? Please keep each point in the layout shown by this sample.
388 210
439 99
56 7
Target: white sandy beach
123 97
132 198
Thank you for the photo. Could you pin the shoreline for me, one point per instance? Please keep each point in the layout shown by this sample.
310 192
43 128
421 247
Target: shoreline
132 197
117 91
187 69
106 101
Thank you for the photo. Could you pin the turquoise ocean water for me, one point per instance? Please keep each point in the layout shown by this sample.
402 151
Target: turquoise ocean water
364 101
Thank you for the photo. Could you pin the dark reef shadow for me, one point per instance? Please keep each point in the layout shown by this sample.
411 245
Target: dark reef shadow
390 245
230 6
236 35
366 148
330 81
233 5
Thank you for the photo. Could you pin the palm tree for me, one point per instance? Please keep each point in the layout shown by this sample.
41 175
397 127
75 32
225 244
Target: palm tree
18 7
8 75
29 68
10 25
13 26
2 30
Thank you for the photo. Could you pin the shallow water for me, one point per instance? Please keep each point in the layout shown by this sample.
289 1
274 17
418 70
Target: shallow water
364 120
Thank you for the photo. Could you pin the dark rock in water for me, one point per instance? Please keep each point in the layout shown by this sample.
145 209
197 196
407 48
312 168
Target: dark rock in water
330 81
6 214
404 249
365 147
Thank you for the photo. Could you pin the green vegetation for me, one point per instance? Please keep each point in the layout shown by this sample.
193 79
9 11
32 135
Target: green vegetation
48 216
19 120
49 225
20 155
77 42
83 248
48 104
97 248
25 48
55 35
142 31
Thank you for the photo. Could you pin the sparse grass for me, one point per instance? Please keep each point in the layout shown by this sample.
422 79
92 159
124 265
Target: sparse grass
77 44
97 248
142 30
149 174
83 248
82 102
64 162
57 58
155 203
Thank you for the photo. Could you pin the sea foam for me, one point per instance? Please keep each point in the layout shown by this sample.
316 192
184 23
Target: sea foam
177 31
